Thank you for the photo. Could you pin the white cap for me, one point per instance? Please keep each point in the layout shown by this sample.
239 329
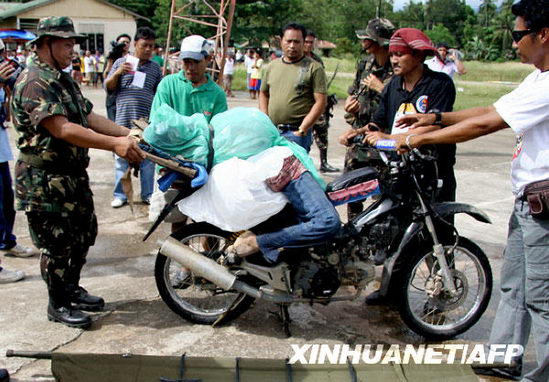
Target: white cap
2 46
195 47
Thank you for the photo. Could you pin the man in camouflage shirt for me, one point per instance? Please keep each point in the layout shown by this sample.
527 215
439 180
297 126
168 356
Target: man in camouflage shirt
56 126
374 71
320 128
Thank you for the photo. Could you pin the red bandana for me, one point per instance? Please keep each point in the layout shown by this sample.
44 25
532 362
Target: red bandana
405 40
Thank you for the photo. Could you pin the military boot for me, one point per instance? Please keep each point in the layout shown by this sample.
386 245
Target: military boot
82 300
63 313
324 165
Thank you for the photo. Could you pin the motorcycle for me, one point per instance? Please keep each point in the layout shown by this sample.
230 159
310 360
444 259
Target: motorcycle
440 281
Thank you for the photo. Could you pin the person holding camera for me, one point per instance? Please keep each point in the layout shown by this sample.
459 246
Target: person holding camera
120 48
447 61
8 241
134 87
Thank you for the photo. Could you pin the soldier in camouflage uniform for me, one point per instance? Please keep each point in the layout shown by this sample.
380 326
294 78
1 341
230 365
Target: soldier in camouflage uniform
320 129
373 72
56 126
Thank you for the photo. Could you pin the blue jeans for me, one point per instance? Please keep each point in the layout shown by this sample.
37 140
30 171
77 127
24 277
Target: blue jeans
146 177
318 219
305 141
7 212
524 300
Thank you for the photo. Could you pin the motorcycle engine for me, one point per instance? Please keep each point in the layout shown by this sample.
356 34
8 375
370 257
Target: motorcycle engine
313 279
380 236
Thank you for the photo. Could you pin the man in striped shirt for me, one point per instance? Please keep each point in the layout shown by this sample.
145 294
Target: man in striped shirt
135 89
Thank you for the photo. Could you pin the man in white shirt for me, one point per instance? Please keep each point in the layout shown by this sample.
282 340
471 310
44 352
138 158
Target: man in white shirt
228 72
89 67
249 63
449 64
524 300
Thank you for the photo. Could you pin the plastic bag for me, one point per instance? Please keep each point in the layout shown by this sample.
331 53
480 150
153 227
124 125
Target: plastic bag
240 132
236 196
185 137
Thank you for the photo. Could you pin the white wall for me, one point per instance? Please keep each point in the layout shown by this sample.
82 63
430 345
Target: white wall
112 28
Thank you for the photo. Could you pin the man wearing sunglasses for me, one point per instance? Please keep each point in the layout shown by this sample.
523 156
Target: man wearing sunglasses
524 300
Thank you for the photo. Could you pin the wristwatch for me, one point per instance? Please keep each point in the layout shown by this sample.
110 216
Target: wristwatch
438 119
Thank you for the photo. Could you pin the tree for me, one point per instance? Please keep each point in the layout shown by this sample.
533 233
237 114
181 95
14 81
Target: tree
440 33
486 12
411 16
503 26
141 7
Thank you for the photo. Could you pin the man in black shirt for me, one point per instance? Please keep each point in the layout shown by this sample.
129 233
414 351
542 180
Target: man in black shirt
413 89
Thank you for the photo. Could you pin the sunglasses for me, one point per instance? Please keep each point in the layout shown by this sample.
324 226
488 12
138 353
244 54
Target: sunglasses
518 35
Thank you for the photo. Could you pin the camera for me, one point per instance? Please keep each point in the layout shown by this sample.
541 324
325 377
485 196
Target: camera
18 68
117 50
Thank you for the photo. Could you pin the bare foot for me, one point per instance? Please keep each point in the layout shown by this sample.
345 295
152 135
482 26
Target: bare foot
245 245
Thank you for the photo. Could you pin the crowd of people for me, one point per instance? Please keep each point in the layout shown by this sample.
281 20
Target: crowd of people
398 92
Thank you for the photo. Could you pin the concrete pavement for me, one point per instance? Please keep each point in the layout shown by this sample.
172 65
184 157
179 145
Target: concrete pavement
120 268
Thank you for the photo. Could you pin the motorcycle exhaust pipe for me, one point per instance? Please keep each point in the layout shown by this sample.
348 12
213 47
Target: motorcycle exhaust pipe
214 272
199 264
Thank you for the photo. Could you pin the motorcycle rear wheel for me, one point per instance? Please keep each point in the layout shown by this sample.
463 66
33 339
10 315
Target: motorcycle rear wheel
442 316
195 298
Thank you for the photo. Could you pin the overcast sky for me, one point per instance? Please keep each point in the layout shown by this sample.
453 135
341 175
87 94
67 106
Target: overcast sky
399 4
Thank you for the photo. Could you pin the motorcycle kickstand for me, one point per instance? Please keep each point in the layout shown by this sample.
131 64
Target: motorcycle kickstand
284 316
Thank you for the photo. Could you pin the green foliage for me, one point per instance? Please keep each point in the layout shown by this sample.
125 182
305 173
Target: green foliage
141 7
485 35
441 34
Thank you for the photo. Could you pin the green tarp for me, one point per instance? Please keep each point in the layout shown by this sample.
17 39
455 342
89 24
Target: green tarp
141 368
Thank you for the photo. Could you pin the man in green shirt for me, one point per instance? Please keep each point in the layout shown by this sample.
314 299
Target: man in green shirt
192 90
293 89
189 92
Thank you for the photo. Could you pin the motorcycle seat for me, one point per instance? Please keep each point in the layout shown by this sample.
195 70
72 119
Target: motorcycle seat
352 178
353 186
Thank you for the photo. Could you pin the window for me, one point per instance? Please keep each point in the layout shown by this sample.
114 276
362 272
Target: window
28 24
95 33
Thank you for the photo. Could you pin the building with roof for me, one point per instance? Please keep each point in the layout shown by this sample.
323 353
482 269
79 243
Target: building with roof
100 20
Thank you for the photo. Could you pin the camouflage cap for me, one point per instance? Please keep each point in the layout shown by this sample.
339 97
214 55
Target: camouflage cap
378 30
57 26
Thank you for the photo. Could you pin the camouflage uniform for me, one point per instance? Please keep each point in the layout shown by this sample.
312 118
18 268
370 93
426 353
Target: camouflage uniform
320 128
378 30
52 185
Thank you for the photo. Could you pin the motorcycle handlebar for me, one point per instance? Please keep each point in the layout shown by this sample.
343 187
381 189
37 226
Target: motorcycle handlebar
382 144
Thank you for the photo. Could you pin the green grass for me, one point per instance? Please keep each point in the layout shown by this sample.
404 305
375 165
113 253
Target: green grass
495 71
346 65
478 94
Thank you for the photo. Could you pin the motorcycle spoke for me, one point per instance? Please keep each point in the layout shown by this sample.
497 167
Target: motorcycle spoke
196 294
443 308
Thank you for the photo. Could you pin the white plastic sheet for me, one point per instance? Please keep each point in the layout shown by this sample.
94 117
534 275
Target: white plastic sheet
236 196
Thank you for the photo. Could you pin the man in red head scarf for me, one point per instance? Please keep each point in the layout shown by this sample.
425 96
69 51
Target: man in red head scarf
414 89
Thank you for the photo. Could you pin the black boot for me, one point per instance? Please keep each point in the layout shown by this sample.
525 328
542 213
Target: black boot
324 165
82 300
4 375
376 298
64 314
78 296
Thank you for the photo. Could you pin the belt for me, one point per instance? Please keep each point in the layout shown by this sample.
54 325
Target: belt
285 127
50 166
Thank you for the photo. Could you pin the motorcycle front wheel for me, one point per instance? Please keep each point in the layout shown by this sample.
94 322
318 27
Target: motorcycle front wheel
425 303
192 297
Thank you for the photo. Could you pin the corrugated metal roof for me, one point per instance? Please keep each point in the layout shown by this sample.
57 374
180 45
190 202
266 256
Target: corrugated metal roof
14 9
